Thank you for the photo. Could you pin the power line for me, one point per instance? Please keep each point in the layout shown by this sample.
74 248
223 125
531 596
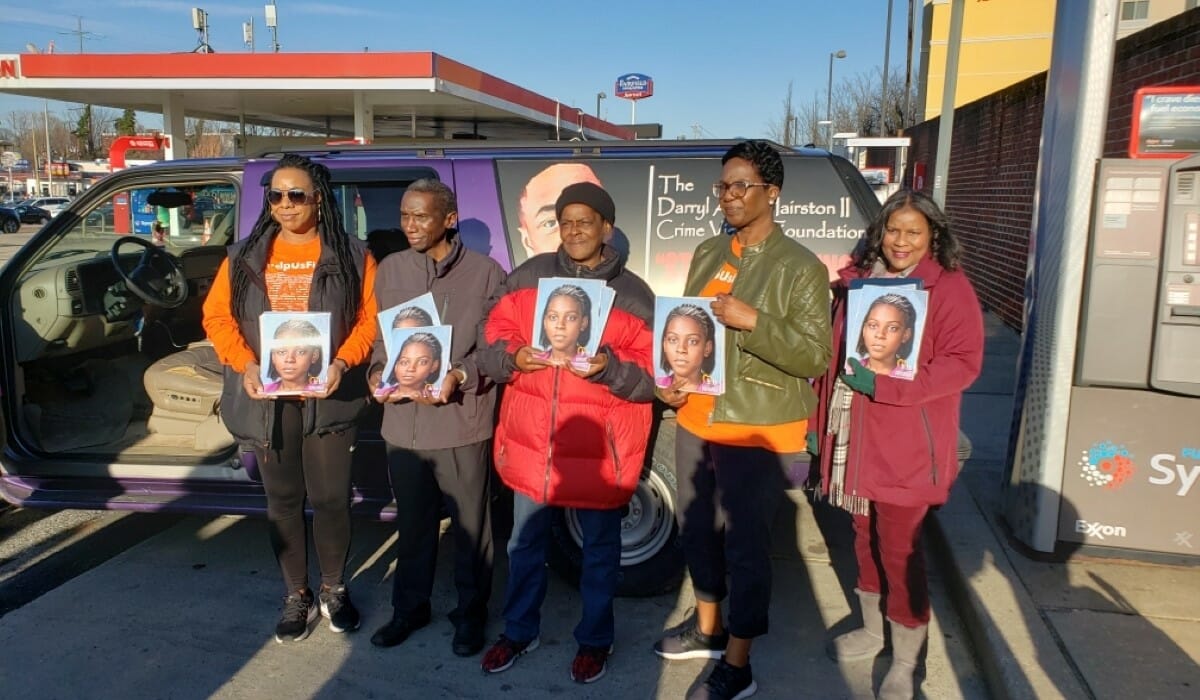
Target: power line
81 33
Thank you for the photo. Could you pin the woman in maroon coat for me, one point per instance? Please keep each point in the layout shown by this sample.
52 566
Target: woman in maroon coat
888 447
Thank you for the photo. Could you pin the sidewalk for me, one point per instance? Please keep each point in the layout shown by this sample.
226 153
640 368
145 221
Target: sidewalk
1089 627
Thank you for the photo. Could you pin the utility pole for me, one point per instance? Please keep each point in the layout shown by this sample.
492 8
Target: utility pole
273 24
82 34
887 49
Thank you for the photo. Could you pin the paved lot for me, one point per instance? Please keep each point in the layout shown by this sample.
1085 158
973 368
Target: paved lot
189 612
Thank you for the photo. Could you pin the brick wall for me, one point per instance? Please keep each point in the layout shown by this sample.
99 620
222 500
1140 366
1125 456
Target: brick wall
994 155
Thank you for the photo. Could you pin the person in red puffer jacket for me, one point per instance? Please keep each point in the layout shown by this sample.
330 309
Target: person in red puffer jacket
569 436
888 446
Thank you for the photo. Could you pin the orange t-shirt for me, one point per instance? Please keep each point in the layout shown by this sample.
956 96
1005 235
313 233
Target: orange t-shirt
288 276
696 414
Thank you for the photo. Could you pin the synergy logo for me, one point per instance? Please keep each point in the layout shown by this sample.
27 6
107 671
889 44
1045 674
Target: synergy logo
1107 465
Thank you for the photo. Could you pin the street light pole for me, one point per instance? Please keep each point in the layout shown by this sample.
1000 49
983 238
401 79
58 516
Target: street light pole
599 96
887 47
840 53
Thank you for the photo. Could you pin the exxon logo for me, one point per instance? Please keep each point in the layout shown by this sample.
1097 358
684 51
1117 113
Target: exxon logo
1098 530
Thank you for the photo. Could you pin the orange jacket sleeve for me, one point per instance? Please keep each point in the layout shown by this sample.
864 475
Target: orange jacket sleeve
358 345
221 327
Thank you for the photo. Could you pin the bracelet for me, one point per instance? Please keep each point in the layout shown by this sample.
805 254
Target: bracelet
462 373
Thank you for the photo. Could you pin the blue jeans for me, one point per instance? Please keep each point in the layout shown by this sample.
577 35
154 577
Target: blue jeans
527 577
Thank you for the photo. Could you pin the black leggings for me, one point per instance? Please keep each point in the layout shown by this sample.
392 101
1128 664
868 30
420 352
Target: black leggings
318 466
727 498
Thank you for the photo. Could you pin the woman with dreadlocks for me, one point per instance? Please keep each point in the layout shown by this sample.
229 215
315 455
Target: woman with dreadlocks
299 258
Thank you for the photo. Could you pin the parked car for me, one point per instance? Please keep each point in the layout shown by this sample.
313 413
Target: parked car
10 220
110 394
51 204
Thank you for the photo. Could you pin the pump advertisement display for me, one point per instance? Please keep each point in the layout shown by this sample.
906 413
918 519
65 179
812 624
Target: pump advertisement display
1132 486
1166 122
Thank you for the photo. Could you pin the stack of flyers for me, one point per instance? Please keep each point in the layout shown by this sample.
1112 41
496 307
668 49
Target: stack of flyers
569 319
418 311
417 362
690 345
295 352
884 326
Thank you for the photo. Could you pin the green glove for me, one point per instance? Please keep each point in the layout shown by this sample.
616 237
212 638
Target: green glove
810 444
863 379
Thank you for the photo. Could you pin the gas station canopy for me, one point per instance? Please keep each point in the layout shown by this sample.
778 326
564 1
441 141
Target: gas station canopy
366 96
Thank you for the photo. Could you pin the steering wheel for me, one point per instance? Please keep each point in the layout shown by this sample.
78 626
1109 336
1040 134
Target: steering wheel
157 279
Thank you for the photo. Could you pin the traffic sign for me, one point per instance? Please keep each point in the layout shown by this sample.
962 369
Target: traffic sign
8 159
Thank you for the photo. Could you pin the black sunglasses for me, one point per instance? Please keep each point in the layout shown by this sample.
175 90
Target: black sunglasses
295 196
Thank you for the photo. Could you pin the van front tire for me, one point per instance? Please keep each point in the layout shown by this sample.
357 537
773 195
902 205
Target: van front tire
651 557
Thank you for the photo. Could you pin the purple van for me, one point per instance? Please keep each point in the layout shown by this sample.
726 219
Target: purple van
110 391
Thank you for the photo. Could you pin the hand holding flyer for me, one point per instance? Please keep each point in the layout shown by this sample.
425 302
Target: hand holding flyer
884 326
418 311
295 353
690 348
418 362
569 319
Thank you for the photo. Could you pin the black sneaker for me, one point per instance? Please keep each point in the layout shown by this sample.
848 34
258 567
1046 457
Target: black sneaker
299 611
468 638
691 643
336 606
726 683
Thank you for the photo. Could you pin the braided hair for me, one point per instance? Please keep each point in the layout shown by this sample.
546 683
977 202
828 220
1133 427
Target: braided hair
330 229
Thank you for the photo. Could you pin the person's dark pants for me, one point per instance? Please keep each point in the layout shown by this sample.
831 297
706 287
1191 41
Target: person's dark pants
727 500
318 466
527 577
888 542
423 483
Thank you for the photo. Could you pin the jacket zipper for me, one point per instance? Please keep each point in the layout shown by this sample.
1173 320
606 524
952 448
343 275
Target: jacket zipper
550 441
752 380
612 446
929 438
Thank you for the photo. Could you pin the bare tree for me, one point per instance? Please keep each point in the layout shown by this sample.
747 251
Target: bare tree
785 129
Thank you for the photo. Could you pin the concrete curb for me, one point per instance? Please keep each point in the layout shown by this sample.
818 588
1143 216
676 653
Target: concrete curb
1019 655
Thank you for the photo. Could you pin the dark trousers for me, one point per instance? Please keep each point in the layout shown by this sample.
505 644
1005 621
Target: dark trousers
424 482
887 544
727 500
318 466
527 577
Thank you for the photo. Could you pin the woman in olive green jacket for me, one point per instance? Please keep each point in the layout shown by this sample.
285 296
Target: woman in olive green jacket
732 452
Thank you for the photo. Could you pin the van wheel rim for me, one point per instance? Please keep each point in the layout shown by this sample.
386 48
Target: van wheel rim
646 523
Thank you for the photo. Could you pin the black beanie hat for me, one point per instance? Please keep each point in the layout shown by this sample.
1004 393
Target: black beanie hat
588 193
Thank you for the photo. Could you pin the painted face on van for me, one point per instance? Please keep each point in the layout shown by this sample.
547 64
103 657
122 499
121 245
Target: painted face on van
535 215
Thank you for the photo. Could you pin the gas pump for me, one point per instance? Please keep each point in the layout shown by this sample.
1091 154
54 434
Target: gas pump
1131 475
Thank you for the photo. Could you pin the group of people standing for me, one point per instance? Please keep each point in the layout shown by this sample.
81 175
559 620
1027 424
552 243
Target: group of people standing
575 434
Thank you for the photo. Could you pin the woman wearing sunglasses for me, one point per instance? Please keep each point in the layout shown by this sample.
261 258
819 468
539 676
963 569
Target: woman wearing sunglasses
299 258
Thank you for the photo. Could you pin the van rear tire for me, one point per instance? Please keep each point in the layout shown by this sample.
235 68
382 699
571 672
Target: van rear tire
651 556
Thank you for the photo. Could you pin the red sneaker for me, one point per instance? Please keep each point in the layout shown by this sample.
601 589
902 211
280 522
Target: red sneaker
504 652
590 663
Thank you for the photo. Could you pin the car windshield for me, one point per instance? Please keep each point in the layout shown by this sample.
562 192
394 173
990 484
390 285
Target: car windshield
174 217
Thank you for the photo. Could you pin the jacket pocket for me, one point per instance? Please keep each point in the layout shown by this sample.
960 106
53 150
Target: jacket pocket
612 448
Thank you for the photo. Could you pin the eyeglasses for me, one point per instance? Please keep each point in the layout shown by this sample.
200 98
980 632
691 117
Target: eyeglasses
296 196
737 189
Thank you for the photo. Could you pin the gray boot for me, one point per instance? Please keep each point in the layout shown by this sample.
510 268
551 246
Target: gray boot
865 642
906 649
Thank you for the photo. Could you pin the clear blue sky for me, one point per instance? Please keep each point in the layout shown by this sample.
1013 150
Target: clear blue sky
720 68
